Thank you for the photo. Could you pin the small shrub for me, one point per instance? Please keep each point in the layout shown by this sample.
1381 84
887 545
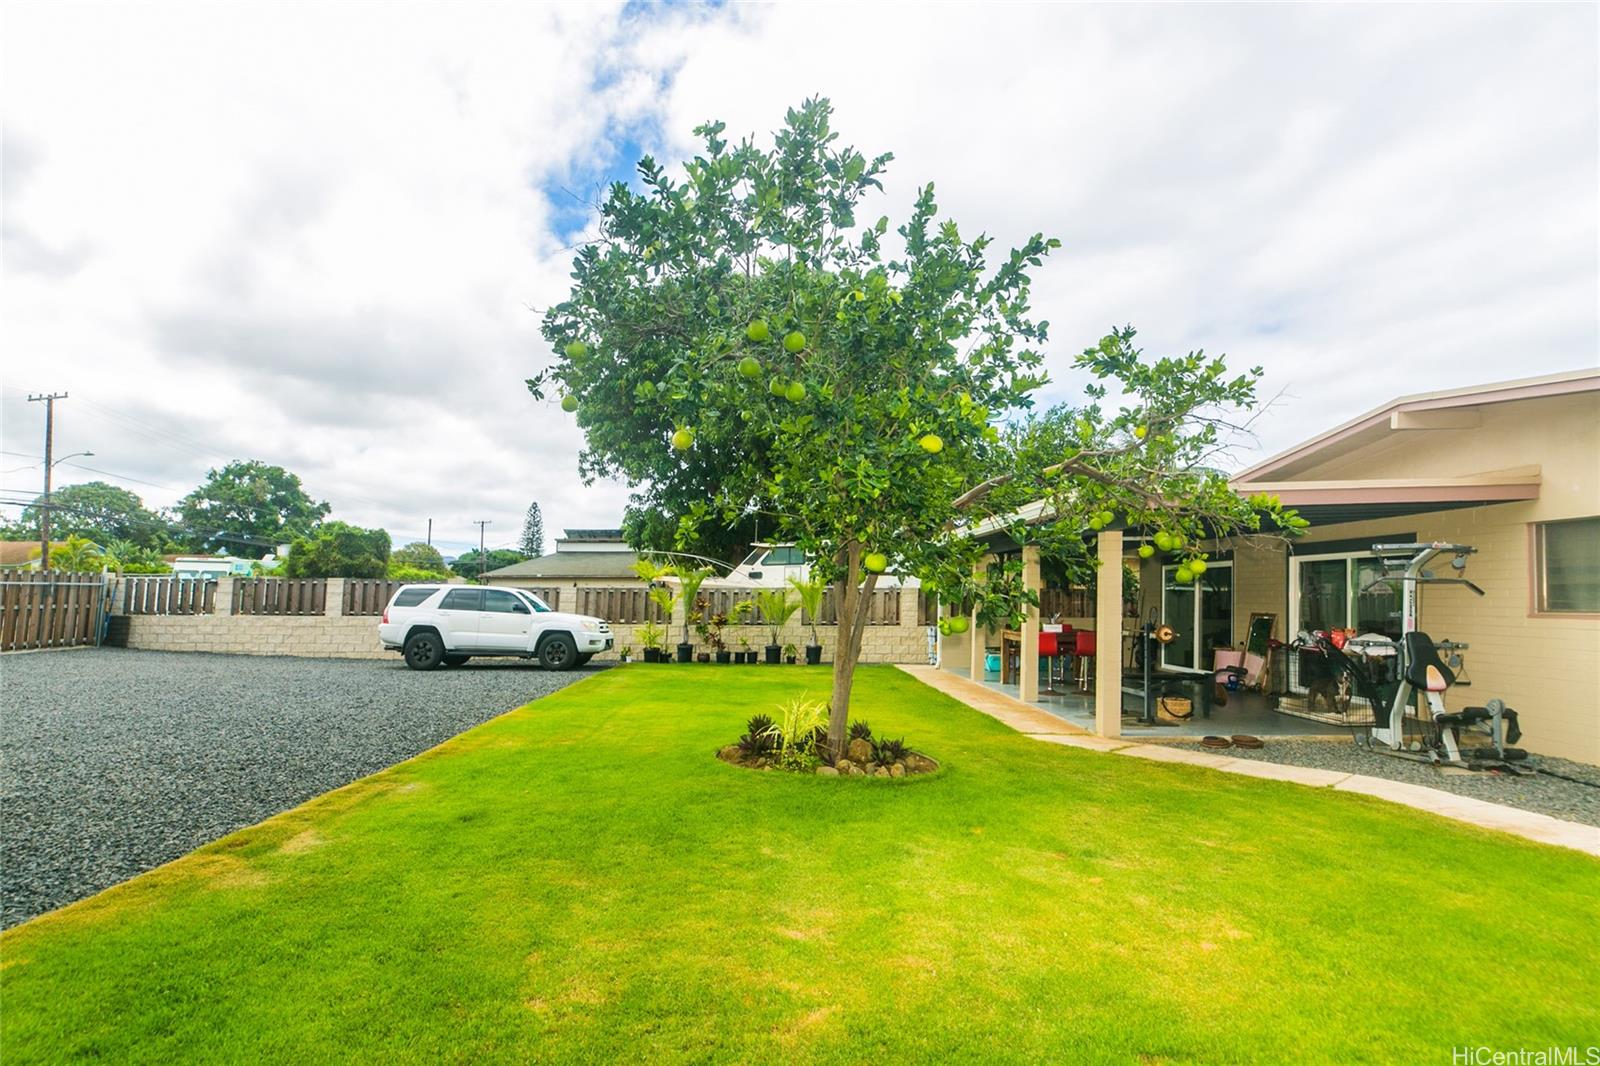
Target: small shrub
860 731
803 721
885 752
759 737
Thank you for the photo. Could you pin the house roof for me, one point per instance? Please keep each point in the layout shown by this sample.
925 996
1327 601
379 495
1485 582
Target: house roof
566 565
1449 409
14 552
592 534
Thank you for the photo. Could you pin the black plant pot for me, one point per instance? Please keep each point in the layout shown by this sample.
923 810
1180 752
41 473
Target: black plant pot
813 654
649 655
724 657
774 654
751 658
703 657
790 660
686 653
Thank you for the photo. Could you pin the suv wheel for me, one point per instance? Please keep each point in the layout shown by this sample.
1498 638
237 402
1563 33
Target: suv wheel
558 653
424 651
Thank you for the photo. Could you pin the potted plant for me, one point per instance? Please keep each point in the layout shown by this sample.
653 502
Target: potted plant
744 654
790 654
716 625
650 635
811 590
625 655
776 609
689 582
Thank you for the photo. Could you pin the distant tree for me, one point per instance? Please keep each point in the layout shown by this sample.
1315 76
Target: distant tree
467 564
250 503
422 558
76 553
533 531
98 511
338 549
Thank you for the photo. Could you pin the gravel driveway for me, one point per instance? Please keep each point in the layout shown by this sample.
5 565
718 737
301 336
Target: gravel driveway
113 761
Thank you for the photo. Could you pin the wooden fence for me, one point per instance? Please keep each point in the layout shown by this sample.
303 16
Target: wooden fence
50 609
169 595
367 595
883 608
1068 603
619 606
280 595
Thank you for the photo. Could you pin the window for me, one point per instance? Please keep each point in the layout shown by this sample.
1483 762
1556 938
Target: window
789 556
500 602
463 600
412 597
1344 591
1567 555
538 605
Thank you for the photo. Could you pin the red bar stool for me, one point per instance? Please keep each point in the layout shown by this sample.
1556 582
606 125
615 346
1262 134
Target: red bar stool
1049 649
1083 658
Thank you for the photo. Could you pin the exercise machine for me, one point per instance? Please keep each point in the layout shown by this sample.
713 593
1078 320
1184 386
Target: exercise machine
1393 675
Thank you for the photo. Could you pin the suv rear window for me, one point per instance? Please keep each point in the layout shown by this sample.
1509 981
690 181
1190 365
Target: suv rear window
463 600
412 597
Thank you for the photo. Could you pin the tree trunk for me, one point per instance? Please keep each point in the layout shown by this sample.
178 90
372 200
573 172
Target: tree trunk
847 647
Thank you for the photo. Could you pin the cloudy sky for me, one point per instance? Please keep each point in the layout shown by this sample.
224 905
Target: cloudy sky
319 235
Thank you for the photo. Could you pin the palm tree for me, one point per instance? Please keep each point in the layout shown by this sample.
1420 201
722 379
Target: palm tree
776 609
811 589
77 554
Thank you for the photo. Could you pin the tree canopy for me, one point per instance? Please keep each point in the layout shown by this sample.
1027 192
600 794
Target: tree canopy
248 503
467 564
339 549
418 556
98 511
738 344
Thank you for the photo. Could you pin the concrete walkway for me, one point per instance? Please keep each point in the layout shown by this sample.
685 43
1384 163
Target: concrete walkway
1032 722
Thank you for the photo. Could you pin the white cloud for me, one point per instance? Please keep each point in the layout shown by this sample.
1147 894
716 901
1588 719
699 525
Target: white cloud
314 234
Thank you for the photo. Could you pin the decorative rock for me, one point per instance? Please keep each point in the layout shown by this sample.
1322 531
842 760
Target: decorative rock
897 770
856 771
827 771
917 763
860 751
881 771
844 766
728 753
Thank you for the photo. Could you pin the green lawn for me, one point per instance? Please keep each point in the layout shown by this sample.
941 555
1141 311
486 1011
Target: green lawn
582 880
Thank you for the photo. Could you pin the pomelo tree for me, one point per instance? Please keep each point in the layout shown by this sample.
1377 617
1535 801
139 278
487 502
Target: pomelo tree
739 342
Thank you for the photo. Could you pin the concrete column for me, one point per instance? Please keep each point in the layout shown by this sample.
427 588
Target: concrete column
1108 636
222 600
1028 683
333 602
975 633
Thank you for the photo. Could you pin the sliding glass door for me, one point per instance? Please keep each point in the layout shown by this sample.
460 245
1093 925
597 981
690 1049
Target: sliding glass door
1202 614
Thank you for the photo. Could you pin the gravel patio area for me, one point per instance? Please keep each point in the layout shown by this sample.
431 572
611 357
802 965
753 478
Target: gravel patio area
114 761
1574 800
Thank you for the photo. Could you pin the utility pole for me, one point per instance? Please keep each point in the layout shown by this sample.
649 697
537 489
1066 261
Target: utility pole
480 523
430 532
49 444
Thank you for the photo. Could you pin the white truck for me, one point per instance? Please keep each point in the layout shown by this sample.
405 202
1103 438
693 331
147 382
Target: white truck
445 625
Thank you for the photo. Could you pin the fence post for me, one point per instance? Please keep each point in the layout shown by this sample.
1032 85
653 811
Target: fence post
119 592
333 598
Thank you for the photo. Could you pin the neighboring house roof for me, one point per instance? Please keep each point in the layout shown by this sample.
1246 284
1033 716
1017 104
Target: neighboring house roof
568 565
592 534
18 552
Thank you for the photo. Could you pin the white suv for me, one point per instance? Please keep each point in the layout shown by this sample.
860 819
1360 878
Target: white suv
445 625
